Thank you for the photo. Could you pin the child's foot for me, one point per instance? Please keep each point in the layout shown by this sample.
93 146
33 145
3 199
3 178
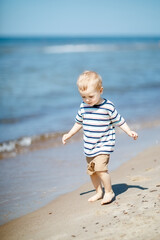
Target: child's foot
96 197
107 197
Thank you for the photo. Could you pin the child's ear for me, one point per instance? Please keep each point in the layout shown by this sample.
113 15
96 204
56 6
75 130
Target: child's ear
101 90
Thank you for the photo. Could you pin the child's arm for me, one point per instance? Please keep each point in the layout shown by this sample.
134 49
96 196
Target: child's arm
127 130
73 131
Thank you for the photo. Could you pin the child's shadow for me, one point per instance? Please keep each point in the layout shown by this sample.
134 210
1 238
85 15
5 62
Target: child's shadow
119 188
123 187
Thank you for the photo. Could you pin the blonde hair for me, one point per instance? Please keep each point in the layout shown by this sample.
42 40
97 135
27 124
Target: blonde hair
89 79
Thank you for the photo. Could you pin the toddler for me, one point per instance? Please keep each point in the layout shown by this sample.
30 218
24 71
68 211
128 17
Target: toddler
98 117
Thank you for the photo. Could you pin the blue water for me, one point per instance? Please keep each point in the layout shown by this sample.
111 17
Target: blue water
38 92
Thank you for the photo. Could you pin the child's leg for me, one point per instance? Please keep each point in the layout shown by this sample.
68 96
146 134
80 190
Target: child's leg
106 180
97 184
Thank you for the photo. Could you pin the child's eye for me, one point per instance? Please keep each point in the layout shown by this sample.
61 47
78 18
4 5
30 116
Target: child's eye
90 96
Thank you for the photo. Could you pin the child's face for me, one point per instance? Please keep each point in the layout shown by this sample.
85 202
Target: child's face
92 96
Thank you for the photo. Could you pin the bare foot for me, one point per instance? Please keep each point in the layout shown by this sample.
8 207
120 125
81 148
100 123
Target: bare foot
107 197
96 197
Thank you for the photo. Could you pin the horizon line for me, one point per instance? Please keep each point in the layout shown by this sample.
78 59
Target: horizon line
79 36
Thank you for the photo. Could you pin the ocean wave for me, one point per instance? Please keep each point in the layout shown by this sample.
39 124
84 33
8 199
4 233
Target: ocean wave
30 143
27 141
71 48
11 145
83 48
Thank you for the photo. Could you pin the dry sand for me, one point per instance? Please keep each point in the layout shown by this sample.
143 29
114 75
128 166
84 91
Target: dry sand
133 214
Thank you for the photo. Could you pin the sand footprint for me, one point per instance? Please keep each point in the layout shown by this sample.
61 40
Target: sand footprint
149 169
139 179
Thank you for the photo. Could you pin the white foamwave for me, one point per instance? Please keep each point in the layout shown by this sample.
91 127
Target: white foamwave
11 145
77 48
81 48
25 142
7 147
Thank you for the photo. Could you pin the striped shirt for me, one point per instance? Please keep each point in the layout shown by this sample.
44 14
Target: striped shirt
99 123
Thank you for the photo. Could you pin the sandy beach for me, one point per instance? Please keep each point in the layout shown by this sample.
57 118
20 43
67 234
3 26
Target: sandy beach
133 214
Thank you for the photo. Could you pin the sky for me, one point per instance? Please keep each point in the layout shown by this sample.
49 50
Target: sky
79 17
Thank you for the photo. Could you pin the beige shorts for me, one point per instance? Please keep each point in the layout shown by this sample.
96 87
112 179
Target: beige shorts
97 163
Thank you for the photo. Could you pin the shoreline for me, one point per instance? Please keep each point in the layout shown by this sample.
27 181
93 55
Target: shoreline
133 214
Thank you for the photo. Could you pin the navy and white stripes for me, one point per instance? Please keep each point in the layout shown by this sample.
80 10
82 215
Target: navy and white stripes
99 124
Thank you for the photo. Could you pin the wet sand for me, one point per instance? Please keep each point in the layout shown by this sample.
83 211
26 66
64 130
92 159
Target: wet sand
133 214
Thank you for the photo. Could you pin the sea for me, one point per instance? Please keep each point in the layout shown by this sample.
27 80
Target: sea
38 92
39 101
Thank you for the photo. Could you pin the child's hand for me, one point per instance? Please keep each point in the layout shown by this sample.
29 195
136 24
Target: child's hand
127 130
72 132
134 135
65 138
